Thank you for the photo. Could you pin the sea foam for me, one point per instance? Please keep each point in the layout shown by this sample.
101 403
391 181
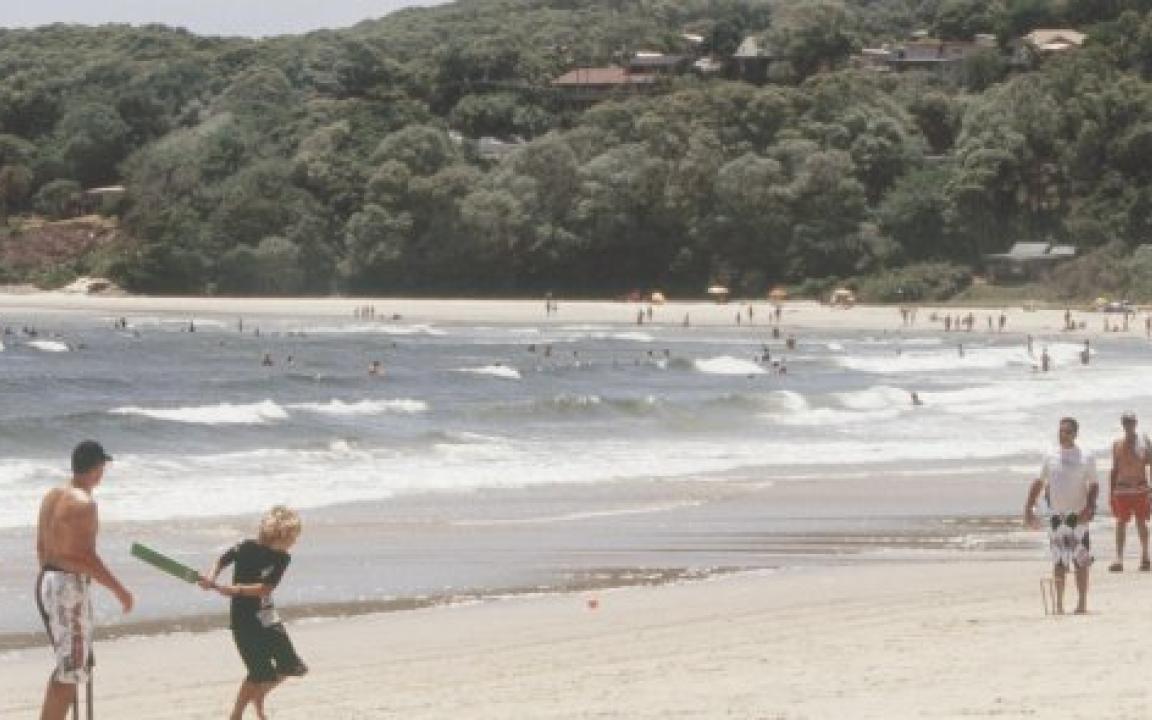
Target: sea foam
728 365
222 414
499 371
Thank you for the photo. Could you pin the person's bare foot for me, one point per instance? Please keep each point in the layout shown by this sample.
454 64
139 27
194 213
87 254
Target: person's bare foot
1081 610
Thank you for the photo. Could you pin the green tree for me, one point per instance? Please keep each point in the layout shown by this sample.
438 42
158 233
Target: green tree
93 140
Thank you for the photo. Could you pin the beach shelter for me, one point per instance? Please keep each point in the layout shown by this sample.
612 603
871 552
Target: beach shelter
844 297
719 293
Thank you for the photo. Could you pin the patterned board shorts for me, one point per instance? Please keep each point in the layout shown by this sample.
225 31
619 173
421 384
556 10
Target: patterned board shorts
66 607
1069 541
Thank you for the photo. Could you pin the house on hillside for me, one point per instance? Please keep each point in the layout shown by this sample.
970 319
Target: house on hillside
646 62
1039 44
932 54
100 200
1027 261
590 85
753 59
874 59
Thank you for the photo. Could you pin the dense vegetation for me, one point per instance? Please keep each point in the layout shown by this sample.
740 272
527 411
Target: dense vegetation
324 162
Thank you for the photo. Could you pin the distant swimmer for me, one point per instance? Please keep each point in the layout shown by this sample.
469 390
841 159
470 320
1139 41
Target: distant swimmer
790 343
1030 349
960 349
687 320
916 401
191 326
290 360
267 361
1085 354
1045 360
375 368
775 333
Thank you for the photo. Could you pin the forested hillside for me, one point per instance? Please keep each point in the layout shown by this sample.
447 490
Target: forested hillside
345 161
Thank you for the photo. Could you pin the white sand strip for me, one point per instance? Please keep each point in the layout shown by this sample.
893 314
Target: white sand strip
796 315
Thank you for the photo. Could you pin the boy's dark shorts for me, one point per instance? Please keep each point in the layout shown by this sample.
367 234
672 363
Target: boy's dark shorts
267 652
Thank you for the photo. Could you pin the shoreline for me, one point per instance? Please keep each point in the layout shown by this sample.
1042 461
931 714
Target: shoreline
426 550
617 579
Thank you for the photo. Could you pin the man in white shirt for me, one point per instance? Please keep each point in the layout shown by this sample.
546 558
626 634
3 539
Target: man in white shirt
1068 482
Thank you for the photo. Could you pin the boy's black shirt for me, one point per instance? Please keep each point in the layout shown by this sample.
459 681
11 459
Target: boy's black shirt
255 564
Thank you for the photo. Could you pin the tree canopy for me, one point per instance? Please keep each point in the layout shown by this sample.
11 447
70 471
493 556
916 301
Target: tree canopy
348 160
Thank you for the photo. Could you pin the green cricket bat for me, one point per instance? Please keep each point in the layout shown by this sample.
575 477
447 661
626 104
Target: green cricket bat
163 562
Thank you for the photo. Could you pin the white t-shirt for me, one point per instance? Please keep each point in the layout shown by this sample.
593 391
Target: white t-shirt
1067 472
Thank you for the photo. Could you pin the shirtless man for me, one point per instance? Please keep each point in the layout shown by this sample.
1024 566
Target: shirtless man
66 549
1130 458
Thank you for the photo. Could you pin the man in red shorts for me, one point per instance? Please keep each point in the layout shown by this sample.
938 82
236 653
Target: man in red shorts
1130 458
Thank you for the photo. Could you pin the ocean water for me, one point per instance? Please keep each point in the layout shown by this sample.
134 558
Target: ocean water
596 426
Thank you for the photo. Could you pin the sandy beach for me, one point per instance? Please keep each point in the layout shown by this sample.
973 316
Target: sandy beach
909 640
796 314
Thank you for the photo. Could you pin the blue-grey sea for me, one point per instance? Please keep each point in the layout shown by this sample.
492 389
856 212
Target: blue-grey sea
504 458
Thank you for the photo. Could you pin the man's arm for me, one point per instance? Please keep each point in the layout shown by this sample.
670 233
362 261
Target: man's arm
1090 506
84 558
1115 471
1029 504
41 527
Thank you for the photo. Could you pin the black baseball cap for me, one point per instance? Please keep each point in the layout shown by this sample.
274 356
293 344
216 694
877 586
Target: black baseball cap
1128 416
88 455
